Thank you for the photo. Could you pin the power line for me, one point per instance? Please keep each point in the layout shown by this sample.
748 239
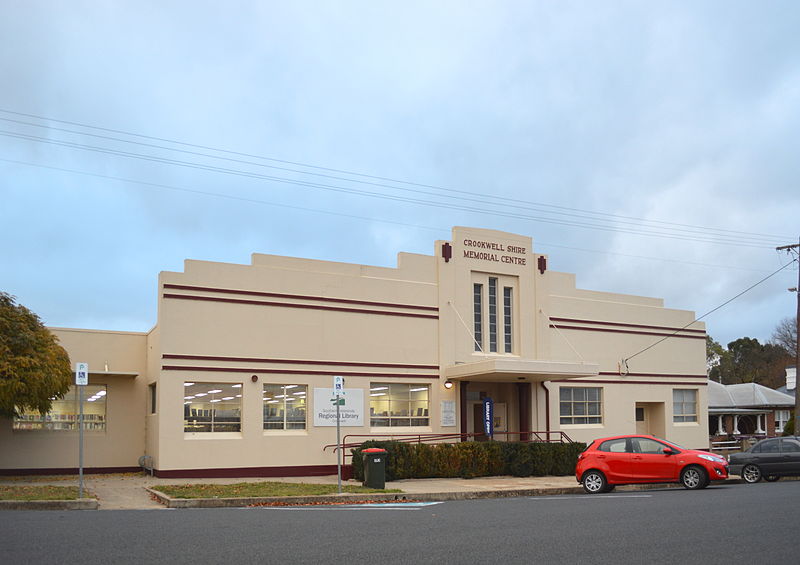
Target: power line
533 206
345 190
748 289
329 212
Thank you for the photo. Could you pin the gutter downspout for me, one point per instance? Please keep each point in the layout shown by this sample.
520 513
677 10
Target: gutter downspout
546 409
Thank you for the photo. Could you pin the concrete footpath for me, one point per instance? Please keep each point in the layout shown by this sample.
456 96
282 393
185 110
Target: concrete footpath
136 490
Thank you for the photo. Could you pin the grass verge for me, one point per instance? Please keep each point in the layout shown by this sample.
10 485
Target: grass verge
265 489
39 492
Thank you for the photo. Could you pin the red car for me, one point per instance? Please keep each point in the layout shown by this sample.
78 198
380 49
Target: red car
636 459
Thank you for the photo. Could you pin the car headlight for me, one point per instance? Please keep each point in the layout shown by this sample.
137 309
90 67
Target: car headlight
712 458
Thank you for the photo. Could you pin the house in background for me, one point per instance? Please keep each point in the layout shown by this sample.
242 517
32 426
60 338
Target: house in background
746 410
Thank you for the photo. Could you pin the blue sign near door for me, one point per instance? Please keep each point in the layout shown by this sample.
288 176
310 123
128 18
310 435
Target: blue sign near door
488 417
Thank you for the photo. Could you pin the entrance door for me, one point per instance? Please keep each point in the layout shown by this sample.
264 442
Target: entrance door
477 422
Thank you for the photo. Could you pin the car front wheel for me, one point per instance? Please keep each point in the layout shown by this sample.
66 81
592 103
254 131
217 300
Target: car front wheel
694 478
594 482
751 474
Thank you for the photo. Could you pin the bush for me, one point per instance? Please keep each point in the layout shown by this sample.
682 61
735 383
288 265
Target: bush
471 459
788 429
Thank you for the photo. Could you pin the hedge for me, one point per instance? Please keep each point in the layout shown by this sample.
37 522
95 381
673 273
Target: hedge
471 459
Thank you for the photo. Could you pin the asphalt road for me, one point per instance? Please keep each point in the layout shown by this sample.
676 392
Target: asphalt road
721 524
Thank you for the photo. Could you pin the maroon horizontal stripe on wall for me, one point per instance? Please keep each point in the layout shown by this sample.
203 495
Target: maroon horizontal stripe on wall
303 306
296 361
621 324
299 297
610 330
627 382
655 375
191 368
229 472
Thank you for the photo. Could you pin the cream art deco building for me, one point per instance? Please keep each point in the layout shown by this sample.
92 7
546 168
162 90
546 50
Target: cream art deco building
237 376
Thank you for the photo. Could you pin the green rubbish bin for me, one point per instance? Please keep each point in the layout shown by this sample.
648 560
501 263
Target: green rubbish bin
374 467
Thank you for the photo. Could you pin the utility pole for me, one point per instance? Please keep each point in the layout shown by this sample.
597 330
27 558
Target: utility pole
796 249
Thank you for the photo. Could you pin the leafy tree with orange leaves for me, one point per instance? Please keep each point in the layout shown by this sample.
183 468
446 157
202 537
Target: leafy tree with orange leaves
34 368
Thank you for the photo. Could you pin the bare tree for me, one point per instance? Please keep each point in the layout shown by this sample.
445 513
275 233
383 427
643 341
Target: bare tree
785 336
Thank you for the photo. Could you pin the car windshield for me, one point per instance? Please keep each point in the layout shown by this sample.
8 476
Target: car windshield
675 445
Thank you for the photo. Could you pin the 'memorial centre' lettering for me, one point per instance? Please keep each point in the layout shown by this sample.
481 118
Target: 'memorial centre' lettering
496 252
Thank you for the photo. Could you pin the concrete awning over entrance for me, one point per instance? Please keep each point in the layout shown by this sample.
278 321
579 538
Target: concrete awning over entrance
505 370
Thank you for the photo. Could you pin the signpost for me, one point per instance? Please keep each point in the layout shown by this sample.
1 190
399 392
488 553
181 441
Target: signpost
81 380
338 391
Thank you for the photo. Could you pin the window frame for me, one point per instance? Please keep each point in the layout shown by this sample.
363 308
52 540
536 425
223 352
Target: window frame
287 423
477 314
64 414
580 416
205 415
379 418
679 413
493 314
781 418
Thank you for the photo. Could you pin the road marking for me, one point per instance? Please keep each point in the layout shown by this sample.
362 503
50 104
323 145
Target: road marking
363 506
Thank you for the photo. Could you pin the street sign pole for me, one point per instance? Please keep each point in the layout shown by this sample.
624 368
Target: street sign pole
80 449
81 380
338 389
339 447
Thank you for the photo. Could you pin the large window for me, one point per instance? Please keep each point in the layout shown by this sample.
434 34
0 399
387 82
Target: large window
581 405
493 314
398 405
684 405
212 407
285 407
65 412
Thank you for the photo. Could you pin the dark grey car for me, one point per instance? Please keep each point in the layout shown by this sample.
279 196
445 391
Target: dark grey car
769 459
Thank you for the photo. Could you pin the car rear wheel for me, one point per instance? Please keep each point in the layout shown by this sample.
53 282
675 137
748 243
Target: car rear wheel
594 482
771 478
751 474
693 478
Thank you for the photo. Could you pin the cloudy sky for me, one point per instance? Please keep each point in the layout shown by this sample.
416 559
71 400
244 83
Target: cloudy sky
649 147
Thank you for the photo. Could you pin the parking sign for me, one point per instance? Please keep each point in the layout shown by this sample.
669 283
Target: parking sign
81 374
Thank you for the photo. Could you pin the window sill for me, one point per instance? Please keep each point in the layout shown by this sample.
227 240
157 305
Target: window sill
212 435
402 429
285 432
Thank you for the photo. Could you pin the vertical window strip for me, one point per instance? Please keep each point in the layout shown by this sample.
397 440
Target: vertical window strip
493 314
507 303
477 309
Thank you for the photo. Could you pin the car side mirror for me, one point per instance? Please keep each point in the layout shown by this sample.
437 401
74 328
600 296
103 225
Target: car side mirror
668 451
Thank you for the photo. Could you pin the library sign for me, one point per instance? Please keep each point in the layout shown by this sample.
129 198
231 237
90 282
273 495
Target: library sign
494 252
351 407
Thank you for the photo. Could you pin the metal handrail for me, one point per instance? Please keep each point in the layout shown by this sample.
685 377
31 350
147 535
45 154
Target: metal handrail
532 437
